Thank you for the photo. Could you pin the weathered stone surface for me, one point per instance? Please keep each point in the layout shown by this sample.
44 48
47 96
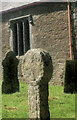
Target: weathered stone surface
37 64
10 82
37 69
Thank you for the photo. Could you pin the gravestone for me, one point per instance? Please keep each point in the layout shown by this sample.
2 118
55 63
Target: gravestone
70 81
10 82
37 69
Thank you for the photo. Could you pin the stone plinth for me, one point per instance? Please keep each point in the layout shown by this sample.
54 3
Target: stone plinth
10 82
37 69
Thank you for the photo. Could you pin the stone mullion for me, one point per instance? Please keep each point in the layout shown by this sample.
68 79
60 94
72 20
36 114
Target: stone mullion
24 36
13 38
13 32
18 39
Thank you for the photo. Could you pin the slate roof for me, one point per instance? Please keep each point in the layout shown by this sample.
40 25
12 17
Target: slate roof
7 6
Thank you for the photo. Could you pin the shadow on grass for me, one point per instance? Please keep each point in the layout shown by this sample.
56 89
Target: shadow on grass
37 119
76 106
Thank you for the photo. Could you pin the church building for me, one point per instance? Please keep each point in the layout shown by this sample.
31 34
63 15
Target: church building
48 25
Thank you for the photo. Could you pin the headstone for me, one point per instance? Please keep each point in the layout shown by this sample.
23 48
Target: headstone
70 81
10 82
37 68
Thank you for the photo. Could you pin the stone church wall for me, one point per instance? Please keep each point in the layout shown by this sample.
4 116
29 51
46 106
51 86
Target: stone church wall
50 32
74 27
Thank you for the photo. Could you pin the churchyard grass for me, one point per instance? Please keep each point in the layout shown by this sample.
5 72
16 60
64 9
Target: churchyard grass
61 105
16 105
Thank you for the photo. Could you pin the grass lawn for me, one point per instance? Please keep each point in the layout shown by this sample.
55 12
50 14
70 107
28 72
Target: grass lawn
16 105
61 105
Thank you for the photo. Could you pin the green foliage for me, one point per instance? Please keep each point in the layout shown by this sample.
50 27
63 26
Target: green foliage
16 105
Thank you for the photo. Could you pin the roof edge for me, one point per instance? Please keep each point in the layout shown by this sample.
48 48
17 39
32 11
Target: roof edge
20 7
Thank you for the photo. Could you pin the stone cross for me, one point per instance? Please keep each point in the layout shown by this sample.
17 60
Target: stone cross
37 69
10 82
